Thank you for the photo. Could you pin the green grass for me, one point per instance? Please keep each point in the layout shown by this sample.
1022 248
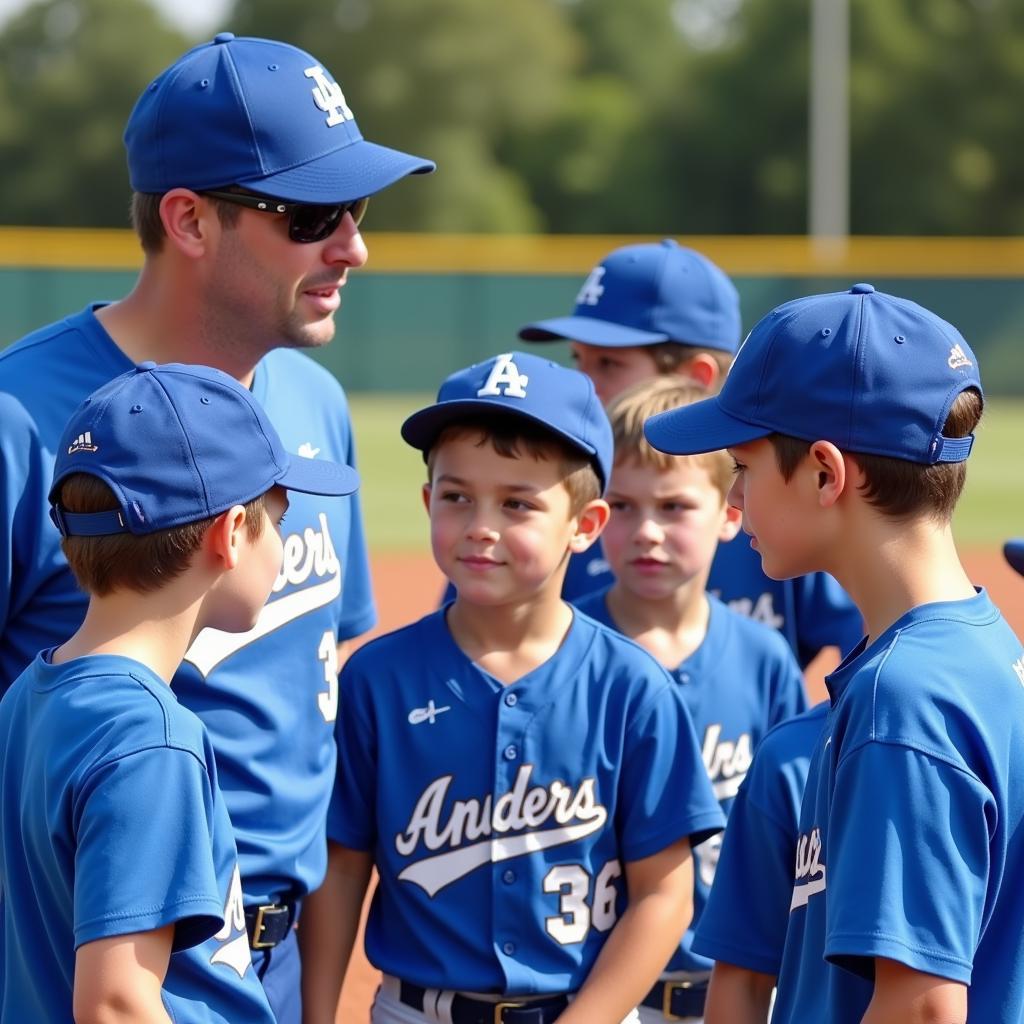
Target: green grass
991 509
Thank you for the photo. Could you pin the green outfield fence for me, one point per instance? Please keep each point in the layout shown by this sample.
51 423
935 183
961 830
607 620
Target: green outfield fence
427 304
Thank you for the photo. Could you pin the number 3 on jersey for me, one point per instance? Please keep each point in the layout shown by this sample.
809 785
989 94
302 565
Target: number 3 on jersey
575 916
328 655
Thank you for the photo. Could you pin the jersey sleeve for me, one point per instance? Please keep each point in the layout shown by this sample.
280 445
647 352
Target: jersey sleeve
358 612
907 862
744 921
144 849
351 814
826 616
665 792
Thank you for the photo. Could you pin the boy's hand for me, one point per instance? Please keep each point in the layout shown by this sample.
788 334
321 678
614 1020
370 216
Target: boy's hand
119 979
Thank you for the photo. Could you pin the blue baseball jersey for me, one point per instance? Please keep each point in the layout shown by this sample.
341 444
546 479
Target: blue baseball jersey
268 697
111 822
737 684
911 842
744 922
811 611
501 817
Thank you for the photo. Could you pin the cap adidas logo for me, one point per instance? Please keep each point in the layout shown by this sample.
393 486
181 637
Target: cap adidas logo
82 443
958 358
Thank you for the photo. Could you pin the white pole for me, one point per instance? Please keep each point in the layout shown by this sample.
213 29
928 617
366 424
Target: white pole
829 157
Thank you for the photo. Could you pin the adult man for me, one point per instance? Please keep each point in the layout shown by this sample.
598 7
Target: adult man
249 177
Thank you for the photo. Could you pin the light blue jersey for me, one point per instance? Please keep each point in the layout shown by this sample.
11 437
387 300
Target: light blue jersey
911 841
268 697
112 822
737 684
744 922
501 817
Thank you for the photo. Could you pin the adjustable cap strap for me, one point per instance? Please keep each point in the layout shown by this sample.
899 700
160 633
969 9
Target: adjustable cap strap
88 524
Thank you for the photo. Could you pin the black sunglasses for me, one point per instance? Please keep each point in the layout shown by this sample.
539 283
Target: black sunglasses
307 222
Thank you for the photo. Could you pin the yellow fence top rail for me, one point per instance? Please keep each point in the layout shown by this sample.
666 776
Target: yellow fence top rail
744 255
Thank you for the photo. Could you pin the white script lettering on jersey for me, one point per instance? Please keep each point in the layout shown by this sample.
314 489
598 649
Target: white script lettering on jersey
477 831
592 290
810 871
505 379
327 95
1018 667
234 952
762 610
307 555
726 761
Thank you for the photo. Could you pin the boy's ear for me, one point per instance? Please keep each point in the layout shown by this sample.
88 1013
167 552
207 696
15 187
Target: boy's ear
731 524
425 493
829 465
224 539
702 370
590 521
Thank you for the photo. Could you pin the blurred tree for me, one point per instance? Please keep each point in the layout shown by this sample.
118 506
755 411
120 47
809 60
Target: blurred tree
446 79
70 71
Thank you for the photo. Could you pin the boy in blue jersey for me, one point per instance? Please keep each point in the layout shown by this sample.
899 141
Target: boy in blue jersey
526 781
249 178
661 309
119 888
850 417
737 677
743 927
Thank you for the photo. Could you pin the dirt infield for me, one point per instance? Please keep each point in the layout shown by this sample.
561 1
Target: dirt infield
408 586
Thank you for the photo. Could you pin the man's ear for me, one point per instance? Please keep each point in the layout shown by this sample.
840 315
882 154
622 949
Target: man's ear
188 221
590 521
703 370
829 466
224 539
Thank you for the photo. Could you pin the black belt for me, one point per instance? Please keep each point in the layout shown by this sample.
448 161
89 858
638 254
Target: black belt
269 923
478 1011
678 999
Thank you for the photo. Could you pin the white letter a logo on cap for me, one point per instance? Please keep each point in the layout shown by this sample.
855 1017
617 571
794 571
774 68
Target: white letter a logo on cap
328 96
504 372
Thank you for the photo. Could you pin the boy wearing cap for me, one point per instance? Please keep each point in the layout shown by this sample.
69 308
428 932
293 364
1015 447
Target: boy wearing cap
662 309
850 417
118 868
513 787
249 176
737 677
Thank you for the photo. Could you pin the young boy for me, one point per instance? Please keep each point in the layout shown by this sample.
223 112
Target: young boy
850 417
512 768
661 309
737 677
743 927
119 883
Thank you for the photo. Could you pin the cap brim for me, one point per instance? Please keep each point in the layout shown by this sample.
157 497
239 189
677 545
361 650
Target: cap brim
1013 550
314 476
701 427
589 331
359 169
421 429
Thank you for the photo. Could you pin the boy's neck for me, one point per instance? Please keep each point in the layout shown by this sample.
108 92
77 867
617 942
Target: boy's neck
670 629
508 642
154 629
889 568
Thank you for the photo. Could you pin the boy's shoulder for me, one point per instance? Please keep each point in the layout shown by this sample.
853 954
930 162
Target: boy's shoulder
746 637
790 739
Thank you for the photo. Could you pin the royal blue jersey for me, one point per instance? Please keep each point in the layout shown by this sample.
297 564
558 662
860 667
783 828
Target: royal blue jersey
501 817
739 682
744 922
268 697
811 611
911 841
111 822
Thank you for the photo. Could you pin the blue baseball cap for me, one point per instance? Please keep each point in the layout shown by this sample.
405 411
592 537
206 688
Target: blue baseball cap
1013 550
645 294
870 372
258 113
516 383
178 444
